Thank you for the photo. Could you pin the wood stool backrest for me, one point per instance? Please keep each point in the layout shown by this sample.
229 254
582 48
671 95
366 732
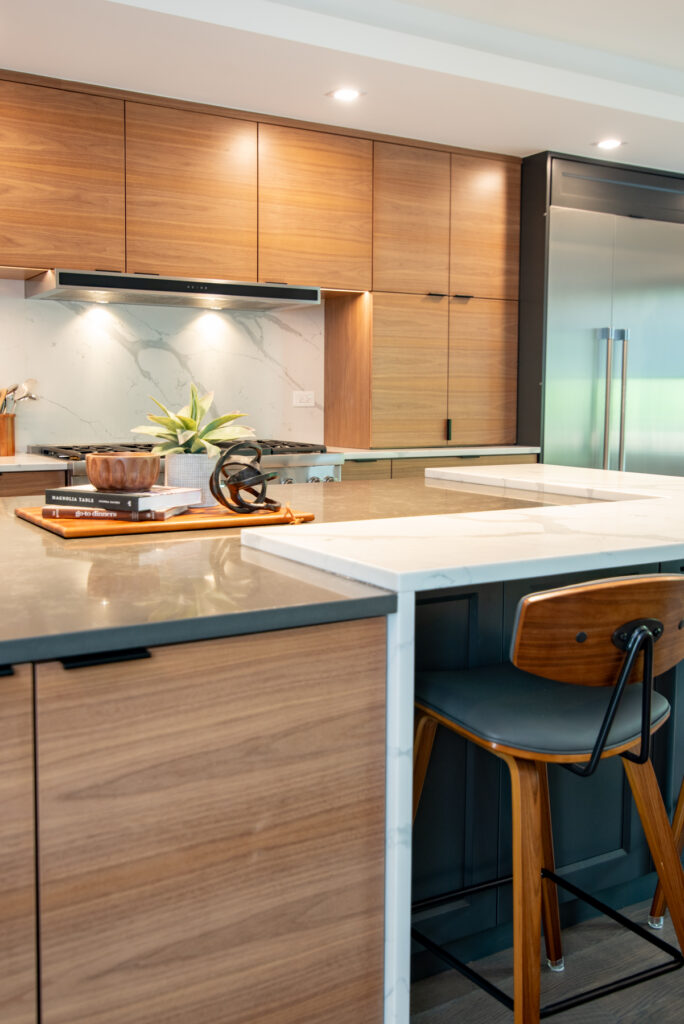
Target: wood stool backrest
566 633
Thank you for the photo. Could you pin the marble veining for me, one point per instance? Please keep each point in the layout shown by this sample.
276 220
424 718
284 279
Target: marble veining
96 365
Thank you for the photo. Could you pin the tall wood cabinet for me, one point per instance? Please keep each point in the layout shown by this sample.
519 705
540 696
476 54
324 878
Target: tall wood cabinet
483 370
18 993
212 831
315 208
430 358
61 179
485 227
191 193
410 219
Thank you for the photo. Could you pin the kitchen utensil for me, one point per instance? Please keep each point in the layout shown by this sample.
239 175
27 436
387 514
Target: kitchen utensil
34 398
122 471
3 397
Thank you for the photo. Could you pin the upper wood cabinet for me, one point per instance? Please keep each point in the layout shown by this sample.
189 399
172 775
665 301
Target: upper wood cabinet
18 985
315 208
485 227
191 193
61 179
410 219
483 367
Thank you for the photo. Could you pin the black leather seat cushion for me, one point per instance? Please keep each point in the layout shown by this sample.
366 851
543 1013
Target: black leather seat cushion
501 704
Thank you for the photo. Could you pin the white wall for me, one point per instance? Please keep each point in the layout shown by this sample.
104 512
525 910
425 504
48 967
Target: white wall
96 365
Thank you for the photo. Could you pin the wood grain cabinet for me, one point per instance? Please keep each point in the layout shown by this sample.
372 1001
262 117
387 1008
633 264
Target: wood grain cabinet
398 367
483 371
315 208
191 193
212 832
386 370
61 179
410 219
18 989
485 227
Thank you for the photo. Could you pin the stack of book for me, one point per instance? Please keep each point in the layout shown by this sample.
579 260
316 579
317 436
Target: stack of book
85 502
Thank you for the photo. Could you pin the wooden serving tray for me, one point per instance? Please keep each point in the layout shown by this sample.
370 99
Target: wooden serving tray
200 519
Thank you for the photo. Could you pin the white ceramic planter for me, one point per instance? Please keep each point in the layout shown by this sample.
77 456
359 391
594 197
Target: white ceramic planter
187 470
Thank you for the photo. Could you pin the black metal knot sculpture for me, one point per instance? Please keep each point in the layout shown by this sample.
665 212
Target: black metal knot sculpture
239 478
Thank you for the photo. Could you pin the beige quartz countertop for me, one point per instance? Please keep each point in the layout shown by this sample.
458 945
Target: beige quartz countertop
24 462
64 597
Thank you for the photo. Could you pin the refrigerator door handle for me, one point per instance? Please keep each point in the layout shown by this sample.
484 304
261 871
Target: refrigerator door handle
606 334
623 336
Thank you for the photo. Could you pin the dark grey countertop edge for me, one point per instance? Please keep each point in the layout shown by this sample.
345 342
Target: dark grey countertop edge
159 634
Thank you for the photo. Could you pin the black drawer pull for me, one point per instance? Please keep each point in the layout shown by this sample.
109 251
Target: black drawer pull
105 657
457 296
448 430
437 295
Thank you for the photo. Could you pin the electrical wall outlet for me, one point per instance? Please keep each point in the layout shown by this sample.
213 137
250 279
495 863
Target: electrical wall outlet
303 398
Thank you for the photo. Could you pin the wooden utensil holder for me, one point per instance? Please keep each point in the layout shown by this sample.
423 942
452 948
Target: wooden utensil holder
7 433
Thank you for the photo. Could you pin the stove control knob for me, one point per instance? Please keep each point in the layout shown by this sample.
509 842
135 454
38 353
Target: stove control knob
287 480
314 480
328 479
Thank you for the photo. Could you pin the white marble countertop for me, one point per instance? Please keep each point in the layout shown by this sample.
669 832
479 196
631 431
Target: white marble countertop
26 462
372 455
637 518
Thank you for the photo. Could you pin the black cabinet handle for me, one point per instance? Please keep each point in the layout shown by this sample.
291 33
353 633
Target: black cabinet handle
448 430
437 295
457 296
105 657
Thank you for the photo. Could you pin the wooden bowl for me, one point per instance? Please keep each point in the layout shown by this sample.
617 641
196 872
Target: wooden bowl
122 471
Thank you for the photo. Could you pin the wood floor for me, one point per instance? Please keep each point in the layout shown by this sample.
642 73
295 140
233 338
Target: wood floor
595 953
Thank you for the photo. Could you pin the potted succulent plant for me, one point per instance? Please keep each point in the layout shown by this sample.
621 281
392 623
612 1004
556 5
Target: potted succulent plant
189 449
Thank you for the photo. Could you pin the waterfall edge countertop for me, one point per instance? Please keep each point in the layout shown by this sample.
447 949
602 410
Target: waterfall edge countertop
632 518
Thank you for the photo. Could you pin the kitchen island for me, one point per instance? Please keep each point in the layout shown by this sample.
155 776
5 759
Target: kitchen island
618 522
282 625
202 729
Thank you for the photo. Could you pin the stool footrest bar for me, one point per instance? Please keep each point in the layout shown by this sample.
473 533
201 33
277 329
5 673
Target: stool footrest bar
626 981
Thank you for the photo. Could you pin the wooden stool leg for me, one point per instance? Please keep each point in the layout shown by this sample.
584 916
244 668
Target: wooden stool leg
550 912
649 802
658 906
527 862
423 738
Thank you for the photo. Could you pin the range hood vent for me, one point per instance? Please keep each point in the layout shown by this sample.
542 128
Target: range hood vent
103 286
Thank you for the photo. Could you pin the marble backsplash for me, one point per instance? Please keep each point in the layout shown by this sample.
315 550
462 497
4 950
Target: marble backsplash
97 365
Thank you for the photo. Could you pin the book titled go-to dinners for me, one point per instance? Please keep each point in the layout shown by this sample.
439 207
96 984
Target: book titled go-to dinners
158 497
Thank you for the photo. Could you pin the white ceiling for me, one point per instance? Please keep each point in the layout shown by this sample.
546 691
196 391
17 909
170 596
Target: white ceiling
484 74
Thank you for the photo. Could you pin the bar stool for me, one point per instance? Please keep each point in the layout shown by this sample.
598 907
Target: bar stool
656 918
611 637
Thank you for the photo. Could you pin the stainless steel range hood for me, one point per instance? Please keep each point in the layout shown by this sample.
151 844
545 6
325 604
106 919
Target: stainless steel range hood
103 286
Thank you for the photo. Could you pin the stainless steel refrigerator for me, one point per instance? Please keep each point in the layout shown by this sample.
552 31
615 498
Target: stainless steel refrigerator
614 353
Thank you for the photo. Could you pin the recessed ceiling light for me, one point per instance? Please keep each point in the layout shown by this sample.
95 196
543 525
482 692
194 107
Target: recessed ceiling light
345 95
610 143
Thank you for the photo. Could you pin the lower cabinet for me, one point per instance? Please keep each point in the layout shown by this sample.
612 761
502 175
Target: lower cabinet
18 994
211 843
384 469
30 481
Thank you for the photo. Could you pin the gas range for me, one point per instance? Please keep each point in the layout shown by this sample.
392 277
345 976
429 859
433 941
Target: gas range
295 462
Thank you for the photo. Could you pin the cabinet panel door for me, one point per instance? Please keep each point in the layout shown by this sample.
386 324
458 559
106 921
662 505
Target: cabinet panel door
212 832
190 193
315 208
483 370
410 219
410 342
485 227
18 1002
61 179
